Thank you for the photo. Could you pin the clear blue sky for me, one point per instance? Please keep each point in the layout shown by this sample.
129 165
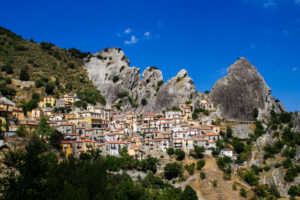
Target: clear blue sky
202 36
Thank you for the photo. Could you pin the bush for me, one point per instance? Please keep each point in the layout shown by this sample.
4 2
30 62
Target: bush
160 83
173 170
46 45
198 152
215 183
50 88
202 175
122 68
116 78
294 191
71 65
243 193
21 131
200 164
170 151
250 178
24 75
190 168
255 113
123 94
180 154
189 194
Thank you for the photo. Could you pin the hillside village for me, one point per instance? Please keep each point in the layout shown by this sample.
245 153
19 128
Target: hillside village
105 129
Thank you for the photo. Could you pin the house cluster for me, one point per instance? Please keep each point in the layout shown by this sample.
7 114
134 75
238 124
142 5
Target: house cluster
98 127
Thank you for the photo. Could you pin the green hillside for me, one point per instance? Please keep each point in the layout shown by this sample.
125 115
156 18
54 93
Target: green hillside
54 70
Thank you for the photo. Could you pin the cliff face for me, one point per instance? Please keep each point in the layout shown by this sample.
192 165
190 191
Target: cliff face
296 121
241 91
110 71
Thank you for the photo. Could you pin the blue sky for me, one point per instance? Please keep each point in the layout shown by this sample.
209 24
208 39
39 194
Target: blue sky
204 37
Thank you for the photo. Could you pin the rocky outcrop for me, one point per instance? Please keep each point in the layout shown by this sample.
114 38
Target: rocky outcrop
110 71
243 90
296 121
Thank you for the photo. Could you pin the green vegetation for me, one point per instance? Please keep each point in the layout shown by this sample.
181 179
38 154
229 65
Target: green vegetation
190 168
41 175
122 68
116 78
27 60
198 152
180 154
173 170
243 193
202 175
200 164
170 151
160 83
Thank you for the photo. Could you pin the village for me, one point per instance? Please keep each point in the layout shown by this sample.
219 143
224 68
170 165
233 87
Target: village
104 129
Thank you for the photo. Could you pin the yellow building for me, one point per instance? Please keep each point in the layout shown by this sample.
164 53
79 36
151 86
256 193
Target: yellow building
69 99
48 101
18 114
66 147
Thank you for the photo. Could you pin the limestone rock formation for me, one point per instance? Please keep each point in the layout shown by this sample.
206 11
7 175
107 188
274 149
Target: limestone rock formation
110 71
296 121
243 90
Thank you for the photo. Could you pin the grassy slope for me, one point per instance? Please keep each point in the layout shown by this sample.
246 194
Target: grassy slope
41 62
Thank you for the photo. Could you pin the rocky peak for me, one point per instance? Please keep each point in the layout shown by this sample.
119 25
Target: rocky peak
182 73
110 71
242 90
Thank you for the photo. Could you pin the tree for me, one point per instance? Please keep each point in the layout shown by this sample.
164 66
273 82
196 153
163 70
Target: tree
200 164
255 113
243 193
189 194
190 168
170 151
180 154
55 139
24 75
202 175
21 131
198 152
229 132
44 128
173 170
50 86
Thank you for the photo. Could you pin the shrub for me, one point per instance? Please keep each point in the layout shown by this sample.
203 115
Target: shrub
123 94
178 79
243 193
180 155
200 164
215 183
24 75
116 78
190 168
294 191
198 152
173 170
160 83
202 175
250 178
170 151
50 88
71 65
255 113
122 68
46 45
